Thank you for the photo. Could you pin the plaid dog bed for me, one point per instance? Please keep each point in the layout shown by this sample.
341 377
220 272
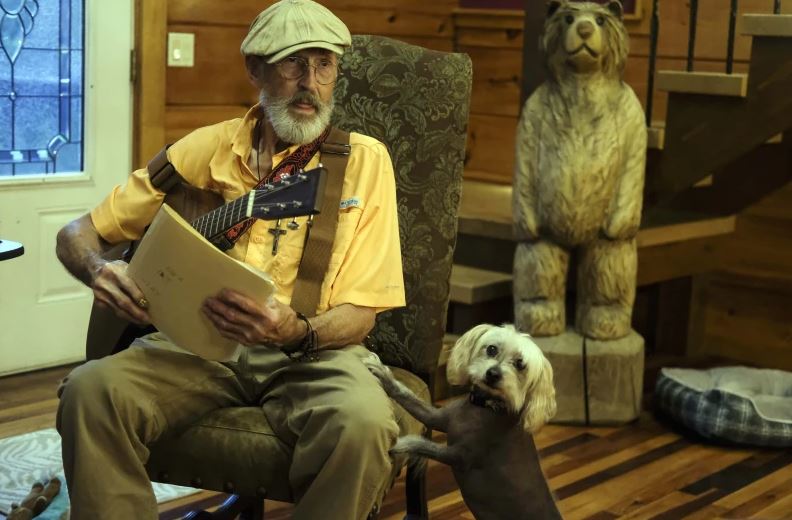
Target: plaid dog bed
736 404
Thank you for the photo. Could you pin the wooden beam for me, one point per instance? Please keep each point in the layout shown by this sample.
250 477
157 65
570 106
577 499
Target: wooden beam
149 88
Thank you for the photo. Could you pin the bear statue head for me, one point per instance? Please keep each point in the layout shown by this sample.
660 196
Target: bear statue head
584 38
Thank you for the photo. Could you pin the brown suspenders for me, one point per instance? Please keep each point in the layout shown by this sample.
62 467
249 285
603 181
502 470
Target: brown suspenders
319 247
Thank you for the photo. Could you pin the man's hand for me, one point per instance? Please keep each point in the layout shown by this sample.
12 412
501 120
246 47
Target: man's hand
113 288
249 322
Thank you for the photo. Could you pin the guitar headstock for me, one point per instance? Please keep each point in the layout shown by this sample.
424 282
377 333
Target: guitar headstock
293 196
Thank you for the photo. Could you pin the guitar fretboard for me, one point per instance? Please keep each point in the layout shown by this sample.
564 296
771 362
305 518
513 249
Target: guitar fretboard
220 219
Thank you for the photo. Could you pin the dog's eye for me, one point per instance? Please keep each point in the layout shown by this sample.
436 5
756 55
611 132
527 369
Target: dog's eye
519 364
569 19
600 20
492 350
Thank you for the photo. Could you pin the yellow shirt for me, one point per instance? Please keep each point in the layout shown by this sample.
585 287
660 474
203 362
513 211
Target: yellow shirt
365 266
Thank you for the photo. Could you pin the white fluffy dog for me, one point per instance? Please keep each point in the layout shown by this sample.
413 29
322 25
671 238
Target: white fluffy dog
490 447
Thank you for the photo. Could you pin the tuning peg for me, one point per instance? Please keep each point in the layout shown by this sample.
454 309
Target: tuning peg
293 225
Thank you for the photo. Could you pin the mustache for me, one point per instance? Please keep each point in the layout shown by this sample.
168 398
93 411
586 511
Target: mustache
306 98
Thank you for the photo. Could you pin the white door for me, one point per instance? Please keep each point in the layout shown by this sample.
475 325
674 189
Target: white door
44 311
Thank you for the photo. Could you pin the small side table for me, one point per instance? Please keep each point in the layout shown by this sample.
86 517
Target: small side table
9 249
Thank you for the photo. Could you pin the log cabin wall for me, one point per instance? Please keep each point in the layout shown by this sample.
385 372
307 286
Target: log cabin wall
216 88
743 312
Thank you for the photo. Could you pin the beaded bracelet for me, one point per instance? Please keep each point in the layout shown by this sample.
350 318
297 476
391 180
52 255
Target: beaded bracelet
308 348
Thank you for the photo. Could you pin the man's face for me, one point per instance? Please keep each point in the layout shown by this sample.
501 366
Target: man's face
279 84
297 94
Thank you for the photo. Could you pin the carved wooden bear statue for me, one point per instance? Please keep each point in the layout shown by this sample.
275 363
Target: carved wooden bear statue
578 185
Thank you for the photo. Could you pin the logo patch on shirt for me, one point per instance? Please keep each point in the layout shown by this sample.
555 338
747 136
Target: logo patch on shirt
354 202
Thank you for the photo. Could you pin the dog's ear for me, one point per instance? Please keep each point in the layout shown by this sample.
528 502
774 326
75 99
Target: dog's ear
553 6
540 403
461 354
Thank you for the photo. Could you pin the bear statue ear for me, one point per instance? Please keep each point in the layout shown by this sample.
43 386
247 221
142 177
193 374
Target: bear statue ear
552 7
615 7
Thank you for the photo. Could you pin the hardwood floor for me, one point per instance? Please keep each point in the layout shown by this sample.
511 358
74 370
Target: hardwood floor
639 471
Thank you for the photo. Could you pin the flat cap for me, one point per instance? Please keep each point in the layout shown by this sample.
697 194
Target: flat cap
288 26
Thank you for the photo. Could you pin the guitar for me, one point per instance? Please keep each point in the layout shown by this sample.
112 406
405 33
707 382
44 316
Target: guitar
293 196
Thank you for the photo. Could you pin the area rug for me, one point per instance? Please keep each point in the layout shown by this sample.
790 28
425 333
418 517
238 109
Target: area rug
36 457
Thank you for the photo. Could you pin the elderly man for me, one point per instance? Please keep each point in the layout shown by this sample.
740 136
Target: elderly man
327 406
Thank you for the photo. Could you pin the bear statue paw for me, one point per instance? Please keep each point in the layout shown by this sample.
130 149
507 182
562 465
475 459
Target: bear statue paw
540 317
604 322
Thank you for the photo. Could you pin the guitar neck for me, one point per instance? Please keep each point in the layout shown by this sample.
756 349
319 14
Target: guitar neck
221 219
291 196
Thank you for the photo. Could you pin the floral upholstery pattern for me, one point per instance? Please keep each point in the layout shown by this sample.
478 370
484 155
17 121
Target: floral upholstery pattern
416 101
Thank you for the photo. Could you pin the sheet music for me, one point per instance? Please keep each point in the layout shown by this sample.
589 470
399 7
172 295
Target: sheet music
177 269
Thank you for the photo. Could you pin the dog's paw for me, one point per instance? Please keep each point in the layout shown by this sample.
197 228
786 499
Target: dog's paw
380 371
407 445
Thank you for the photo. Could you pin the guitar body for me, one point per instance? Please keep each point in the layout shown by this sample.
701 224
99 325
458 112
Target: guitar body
107 333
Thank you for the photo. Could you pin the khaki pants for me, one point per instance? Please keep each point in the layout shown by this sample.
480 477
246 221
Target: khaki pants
333 412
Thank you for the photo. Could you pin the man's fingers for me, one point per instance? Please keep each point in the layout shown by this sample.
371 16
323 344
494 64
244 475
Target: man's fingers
121 303
117 290
231 313
242 302
228 329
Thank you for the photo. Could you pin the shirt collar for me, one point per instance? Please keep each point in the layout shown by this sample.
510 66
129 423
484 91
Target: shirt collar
242 140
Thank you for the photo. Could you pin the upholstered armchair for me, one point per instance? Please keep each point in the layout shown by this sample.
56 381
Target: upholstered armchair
416 102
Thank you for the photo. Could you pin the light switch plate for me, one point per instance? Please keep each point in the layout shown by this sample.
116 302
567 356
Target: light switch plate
181 49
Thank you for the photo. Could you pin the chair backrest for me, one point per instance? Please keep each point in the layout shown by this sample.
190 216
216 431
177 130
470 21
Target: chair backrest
416 101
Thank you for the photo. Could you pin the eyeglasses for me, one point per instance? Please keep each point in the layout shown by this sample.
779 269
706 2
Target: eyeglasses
295 67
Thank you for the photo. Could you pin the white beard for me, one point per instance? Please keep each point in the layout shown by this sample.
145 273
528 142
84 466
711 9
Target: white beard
296 130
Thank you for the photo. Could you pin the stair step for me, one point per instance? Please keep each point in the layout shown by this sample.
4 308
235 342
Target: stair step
712 83
655 137
470 285
767 24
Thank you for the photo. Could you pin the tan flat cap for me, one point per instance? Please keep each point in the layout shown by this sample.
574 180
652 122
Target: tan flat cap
288 26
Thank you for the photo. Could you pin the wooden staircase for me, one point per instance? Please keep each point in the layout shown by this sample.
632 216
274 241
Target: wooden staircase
720 123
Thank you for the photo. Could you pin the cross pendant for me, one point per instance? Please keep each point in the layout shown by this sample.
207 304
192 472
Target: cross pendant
276 234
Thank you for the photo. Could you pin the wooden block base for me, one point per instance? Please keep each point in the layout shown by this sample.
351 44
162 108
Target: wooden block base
602 387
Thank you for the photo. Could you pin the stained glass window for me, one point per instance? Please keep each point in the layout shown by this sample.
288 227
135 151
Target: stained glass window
41 87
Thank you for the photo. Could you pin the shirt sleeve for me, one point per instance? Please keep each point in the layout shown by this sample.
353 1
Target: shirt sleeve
126 212
371 272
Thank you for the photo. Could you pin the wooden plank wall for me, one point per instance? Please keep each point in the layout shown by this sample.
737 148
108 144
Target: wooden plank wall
745 312
217 87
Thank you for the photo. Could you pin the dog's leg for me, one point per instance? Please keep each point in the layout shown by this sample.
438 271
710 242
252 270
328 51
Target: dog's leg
417 446
431 416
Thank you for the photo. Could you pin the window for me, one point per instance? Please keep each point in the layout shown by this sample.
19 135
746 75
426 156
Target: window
41 87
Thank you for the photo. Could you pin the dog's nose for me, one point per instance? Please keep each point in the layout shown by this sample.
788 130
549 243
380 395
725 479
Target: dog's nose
493 375
585 29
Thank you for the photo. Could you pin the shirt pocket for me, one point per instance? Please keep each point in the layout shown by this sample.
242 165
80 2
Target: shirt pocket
348 221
